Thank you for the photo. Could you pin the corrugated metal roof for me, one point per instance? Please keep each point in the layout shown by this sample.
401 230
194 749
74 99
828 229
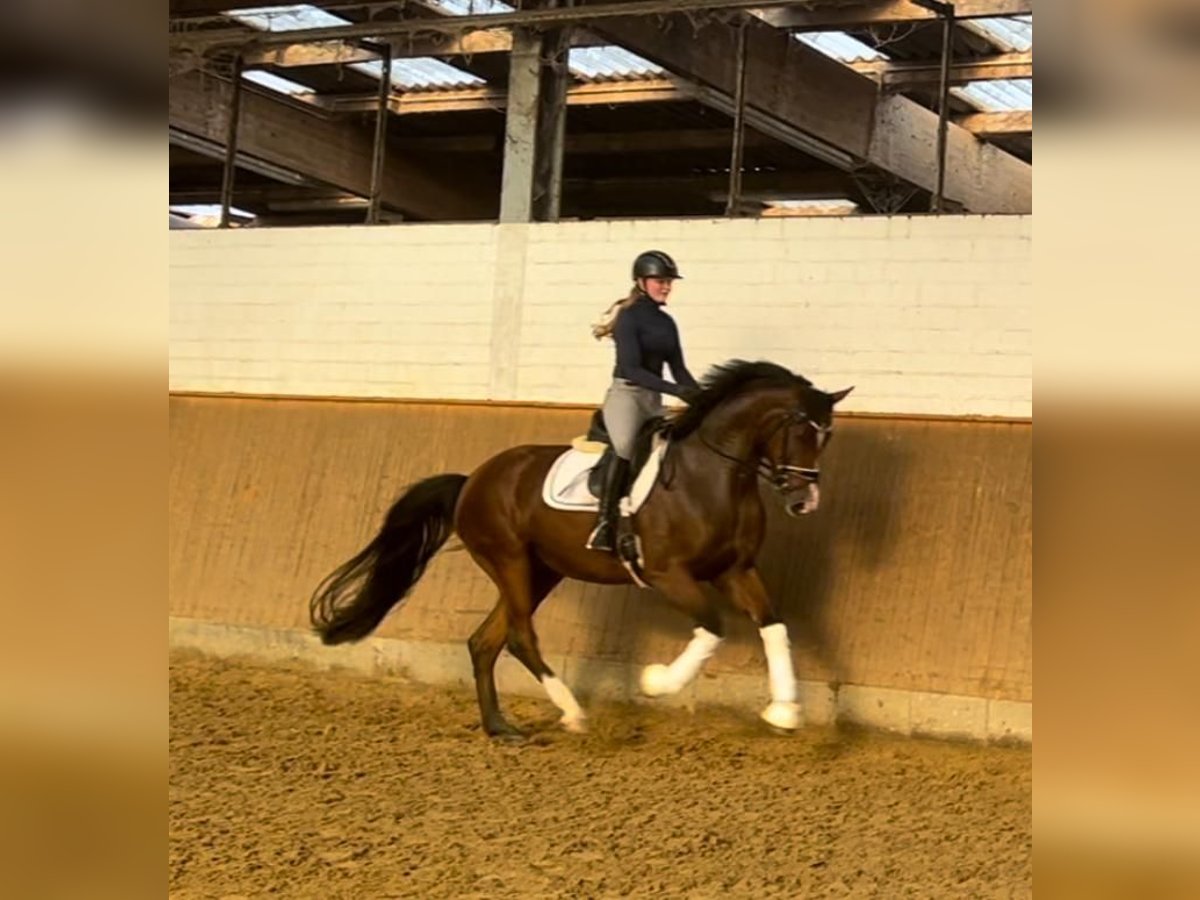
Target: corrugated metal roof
428 73
275 83
292 17
471 7
840 46
1007 34
420 73
202 215
586 63
811 204
610 64
998 96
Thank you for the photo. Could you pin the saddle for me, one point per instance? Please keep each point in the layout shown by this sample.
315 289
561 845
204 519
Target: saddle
597 434
575 480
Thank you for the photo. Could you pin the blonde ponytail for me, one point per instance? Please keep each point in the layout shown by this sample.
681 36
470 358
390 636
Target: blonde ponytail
604 326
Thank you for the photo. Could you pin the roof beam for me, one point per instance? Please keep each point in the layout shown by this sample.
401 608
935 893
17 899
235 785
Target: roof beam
830 110
488 40
323 53
335 152
656 90
199 40
272 197
997 124
980 176
904 75
588 144
756 186
822 107
882 12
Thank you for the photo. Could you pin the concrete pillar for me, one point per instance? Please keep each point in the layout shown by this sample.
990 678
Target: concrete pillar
531 185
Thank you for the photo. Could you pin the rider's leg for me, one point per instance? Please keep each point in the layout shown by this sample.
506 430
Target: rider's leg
623 416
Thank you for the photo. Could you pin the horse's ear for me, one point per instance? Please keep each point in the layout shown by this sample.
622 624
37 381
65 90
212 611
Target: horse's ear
838 396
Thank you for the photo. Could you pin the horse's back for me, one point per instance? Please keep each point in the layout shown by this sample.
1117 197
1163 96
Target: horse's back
508 483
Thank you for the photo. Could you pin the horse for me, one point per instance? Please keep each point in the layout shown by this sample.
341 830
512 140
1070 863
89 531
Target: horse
703 521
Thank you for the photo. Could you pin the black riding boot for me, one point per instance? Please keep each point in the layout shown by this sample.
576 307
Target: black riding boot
604 536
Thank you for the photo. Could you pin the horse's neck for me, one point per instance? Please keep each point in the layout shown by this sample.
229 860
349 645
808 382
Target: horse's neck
729 436
735 427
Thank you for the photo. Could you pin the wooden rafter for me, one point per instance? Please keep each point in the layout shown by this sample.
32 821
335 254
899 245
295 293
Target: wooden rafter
832 112
590 143
488 40
882 12
336 152
902 75
655 90
997 124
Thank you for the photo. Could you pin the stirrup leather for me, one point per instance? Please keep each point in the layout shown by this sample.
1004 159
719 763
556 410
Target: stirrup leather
629 546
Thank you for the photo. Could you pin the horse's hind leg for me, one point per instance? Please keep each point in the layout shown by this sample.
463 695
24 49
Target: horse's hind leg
523 642
485 645
523 584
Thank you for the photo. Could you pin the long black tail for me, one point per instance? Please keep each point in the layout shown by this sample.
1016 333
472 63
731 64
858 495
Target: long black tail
354 598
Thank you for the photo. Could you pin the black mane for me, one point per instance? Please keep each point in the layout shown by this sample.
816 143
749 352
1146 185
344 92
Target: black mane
724 381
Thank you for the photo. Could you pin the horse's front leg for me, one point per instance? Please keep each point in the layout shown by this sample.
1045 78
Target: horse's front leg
686 594
746 591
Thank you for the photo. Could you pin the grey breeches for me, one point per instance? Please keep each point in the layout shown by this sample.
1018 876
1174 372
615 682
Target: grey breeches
626 407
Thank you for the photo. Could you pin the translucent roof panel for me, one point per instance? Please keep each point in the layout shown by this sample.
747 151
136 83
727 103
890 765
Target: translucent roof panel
586 63
471 7
275 83
840 46
609 63
421 73
286 18
205 209
998 96
811 204
1011 34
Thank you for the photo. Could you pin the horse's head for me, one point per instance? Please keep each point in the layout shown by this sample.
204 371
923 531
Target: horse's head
795 437
774 423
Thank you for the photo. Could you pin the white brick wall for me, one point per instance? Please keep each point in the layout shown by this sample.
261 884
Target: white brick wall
923 314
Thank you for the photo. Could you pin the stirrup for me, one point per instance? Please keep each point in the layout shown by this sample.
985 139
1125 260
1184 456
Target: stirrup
629 547
597 532
629 552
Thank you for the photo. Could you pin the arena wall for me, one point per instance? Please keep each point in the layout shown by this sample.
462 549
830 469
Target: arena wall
909 593
924 314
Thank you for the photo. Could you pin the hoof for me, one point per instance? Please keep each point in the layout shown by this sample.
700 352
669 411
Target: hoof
656 681
576 725
502 731
781 715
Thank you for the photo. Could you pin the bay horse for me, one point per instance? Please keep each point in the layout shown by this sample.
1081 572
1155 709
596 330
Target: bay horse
702 522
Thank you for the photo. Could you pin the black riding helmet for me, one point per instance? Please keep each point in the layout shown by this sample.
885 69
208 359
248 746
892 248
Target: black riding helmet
654 264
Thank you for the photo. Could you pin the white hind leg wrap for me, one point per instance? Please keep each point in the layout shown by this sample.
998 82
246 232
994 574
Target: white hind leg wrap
560 695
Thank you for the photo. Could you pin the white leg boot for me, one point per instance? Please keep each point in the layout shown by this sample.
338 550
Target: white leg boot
783 711
659 680
573 718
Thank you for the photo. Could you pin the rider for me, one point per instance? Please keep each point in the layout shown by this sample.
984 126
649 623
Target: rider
646 337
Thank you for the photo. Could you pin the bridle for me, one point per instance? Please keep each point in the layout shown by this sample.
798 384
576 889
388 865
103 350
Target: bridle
778 475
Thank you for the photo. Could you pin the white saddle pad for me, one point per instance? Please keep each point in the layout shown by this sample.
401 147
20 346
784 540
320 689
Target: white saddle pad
566 484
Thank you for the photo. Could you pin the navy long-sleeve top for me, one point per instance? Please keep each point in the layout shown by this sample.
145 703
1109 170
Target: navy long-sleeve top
646 338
